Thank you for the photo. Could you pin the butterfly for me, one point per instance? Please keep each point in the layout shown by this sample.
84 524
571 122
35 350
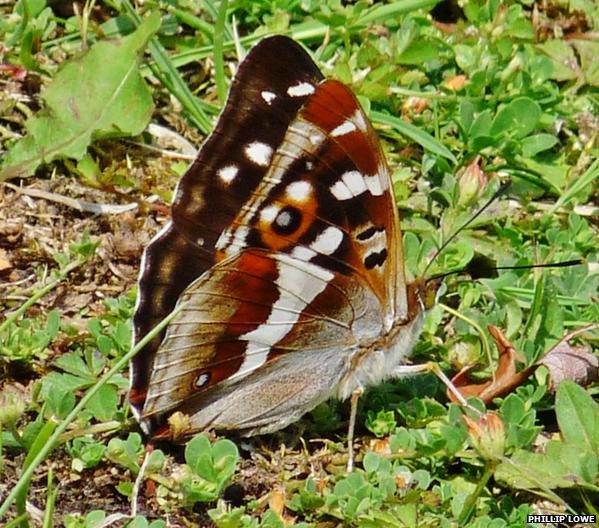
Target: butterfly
285 250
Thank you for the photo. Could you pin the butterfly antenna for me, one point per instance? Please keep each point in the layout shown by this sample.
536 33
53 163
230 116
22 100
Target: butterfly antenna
564 264
504 187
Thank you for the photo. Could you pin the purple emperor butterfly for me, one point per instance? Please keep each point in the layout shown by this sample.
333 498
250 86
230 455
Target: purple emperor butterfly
285 247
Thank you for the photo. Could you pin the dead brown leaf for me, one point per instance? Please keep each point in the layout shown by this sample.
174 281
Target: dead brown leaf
276 501
5 264
576 363
506 376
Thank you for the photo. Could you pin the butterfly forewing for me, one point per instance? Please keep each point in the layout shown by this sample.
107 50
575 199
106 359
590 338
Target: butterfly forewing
326 197
270 86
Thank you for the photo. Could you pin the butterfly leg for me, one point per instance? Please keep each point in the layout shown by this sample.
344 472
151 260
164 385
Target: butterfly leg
352 425
403 370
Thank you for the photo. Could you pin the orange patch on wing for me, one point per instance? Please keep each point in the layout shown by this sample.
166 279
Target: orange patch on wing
276 242
137 396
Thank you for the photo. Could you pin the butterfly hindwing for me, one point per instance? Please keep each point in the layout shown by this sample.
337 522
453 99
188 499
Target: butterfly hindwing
249 322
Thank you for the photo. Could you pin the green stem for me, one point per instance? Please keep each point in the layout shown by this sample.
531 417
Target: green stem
395 8
218 43
190 20
398 90
53 440
474 324
39 294
470 502
50 501
17 521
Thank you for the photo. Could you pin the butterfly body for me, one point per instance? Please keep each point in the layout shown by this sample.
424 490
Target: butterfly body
285 251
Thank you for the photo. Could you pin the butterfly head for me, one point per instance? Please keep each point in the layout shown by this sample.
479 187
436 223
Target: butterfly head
422 295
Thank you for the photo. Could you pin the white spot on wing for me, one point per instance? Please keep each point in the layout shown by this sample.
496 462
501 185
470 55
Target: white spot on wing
351 184
374 185
299 190
228 174
223 240
238 241
355 182
298 287
301 89
202 380
360 121
344 128
341 191
269 97
268 214
303 253
316 137
258 152
328 241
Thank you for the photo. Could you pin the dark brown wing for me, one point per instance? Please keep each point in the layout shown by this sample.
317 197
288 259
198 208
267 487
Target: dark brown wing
271 85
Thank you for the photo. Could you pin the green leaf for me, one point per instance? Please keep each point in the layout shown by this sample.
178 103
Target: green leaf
545 322
517 119
224 455
578 185
103 404
565 66
577 416
419 51
99 94
481 126
60 402
532 145
414 133
588 51
561 466
196 449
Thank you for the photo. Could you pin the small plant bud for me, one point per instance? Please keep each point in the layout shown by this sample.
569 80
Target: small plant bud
414 105
487 435
11 409
472 181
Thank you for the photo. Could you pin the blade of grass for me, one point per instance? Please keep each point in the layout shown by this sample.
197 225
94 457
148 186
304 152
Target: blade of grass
61 427
303 32
424 139
394 9
50 501
213 12
219 60
308 31
17 521
164 69
526 295
40 441
527 175
578 184
62 275
191 20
